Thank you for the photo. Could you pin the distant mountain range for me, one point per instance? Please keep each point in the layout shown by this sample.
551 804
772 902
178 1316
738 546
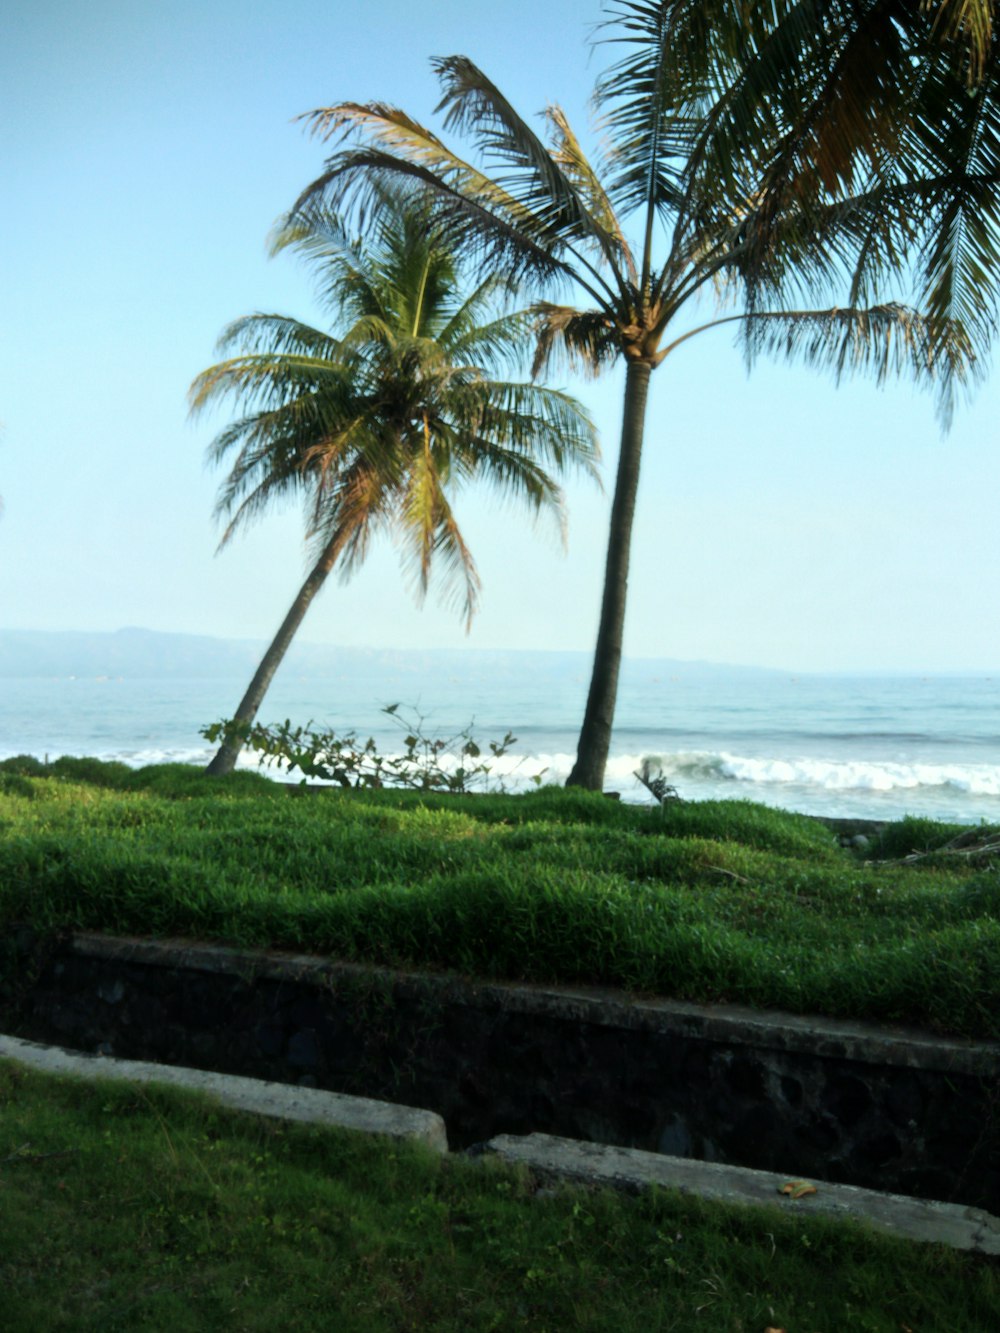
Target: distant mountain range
149 653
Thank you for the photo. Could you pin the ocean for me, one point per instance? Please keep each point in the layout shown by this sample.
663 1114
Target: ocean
875 748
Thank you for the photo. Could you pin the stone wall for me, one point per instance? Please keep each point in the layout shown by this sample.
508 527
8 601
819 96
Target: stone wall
888 1109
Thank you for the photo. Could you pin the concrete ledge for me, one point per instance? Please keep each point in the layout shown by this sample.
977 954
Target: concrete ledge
280 1100
813 1034
629 1169
592 1164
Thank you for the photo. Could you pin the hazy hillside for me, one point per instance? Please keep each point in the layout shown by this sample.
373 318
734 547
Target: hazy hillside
133 653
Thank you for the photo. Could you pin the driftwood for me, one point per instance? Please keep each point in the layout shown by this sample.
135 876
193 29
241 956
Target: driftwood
977 847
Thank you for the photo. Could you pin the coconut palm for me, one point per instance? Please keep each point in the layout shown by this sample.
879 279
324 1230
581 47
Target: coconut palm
541 213
378 424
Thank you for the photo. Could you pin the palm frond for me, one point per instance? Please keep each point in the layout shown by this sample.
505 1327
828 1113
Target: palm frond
485 300
263 381
272 333
517 478
887 341
527 220
939 234
849 97
266 470
495 345
315 233
375 424
354 509
429 532
395 148
540 424
646 103
969 23
273 457
538 178
585 340
468 218
566 151
957 148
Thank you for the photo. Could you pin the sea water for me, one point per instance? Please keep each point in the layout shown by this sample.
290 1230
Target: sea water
842 746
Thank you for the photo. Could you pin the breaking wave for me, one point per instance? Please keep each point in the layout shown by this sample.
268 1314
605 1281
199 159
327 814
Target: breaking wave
695 770
834 775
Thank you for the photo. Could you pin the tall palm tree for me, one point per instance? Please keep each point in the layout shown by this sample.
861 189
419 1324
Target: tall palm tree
378 424
542 214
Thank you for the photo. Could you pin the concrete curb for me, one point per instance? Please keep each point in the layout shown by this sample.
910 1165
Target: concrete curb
280 1100
592 1164
595 1164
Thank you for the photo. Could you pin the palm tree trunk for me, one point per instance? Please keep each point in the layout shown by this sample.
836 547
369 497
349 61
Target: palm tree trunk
225 758
595 734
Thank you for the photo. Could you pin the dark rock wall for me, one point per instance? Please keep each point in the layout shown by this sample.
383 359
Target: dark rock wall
839 1102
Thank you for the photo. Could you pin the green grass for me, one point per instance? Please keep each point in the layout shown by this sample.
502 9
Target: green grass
128 1207
714 901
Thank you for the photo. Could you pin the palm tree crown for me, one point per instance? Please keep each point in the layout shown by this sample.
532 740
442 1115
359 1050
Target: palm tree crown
543 215
378 425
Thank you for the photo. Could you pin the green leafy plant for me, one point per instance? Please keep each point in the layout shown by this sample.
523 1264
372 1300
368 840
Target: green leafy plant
650 774
456 763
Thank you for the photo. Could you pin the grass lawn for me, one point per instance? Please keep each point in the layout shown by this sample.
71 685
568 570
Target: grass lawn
141 1207
146 1208
713 901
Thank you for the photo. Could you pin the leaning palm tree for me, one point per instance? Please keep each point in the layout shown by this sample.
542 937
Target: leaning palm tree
378 424
541 213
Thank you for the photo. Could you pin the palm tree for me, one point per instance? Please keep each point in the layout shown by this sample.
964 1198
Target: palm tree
542 214
378 424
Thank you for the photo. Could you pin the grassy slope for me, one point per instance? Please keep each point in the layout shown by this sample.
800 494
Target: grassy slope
125 1208
707 901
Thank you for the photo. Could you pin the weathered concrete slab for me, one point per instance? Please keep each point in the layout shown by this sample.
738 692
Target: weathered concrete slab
279 1100
628 1168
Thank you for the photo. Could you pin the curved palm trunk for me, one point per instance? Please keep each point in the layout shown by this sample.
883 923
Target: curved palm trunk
225 758
595 734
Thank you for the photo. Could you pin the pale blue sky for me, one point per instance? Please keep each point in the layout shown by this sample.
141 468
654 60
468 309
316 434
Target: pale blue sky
148 148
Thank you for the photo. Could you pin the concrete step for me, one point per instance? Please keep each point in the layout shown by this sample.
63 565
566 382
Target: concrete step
589 1164
596 1164
281 1100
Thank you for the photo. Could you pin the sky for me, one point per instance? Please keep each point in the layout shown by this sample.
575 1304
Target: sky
148 149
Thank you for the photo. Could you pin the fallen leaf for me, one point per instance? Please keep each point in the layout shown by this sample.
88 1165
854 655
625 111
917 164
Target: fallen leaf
797 1189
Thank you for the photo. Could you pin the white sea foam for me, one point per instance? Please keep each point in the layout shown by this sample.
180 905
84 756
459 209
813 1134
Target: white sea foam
834 775
692 771
862 775
190 754
696 767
